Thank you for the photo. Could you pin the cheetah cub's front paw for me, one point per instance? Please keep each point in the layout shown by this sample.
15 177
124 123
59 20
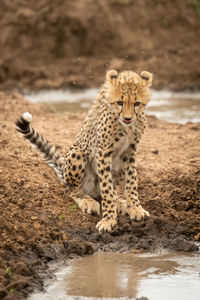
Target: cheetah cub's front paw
138 213
89 206
106 225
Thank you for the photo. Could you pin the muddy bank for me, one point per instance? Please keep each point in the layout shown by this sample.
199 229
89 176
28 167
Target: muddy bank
43 44
39 222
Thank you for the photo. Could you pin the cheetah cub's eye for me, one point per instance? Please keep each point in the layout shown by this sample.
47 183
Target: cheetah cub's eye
120 103
137 103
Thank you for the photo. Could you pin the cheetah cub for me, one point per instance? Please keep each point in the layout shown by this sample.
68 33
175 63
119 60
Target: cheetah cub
103 154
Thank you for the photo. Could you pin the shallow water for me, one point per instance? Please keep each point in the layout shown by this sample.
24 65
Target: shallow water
176 107
114 275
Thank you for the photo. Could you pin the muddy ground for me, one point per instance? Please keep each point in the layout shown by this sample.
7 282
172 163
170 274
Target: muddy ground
40 223
71 43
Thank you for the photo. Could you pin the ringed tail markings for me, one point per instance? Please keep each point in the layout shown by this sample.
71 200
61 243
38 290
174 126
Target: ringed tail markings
49 152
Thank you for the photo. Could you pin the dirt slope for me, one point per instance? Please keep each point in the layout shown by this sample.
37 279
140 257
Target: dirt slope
38 221
48 44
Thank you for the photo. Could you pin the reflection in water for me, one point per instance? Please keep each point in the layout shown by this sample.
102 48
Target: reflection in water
109 275
170 106
112 275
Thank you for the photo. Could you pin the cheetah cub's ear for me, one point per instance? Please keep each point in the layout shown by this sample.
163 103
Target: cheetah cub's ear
146 78
112 76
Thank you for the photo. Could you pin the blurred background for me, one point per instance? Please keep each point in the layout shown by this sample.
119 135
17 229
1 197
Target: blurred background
52 44
58 51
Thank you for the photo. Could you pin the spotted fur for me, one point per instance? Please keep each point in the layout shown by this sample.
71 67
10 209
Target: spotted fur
103 154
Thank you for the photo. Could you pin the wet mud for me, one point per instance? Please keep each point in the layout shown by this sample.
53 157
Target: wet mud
39 223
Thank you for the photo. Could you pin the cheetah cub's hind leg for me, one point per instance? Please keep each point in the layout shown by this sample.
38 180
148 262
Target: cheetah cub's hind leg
74 174
85 202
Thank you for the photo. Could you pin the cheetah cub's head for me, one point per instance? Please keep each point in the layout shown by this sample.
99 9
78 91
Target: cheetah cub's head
128 93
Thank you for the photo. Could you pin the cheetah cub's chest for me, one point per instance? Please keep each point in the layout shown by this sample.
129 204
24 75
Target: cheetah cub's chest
90 182
121 148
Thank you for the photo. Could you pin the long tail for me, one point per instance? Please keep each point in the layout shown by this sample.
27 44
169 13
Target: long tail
51 155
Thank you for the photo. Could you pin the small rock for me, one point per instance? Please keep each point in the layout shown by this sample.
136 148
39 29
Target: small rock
22 269
45 252
183 245
127 227
155 151
107 238
197 237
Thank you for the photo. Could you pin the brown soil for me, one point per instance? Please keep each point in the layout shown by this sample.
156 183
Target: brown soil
39 223
43 44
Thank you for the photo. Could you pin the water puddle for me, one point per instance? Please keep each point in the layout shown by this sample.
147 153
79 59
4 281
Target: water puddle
114 275
176 107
